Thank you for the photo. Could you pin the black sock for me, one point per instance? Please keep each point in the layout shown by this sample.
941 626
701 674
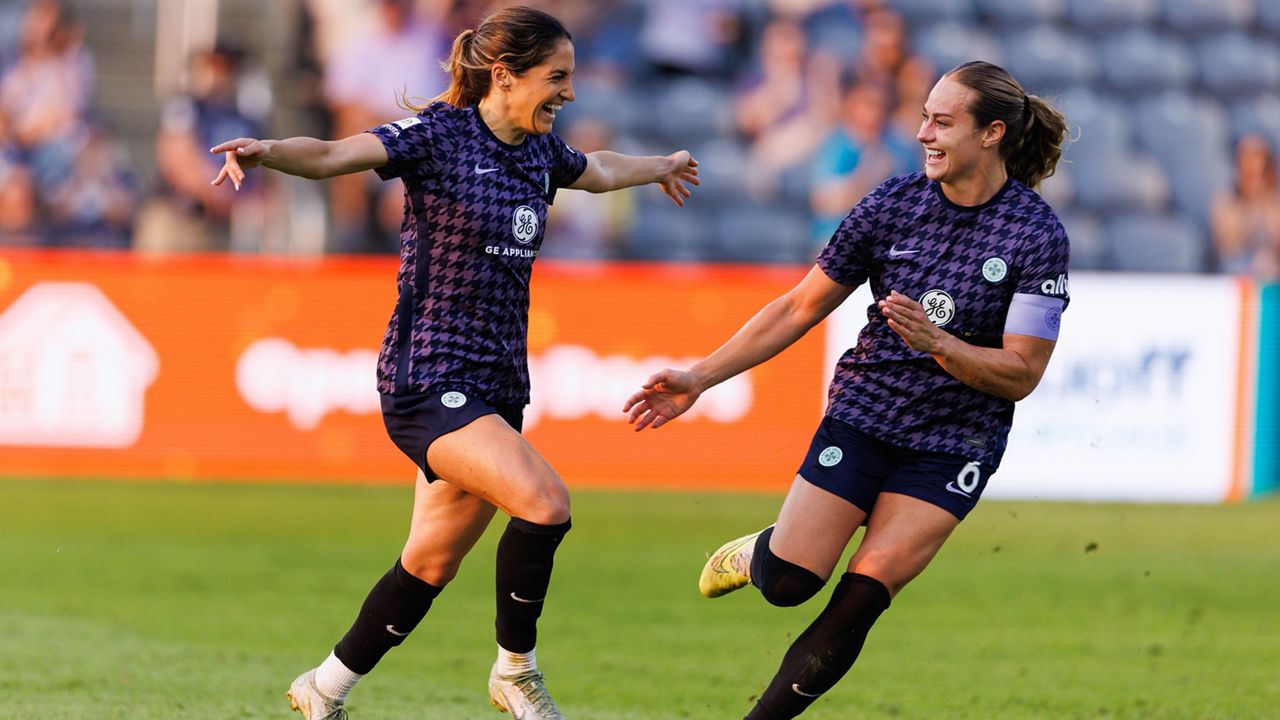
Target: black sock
825 651
525 555
394 607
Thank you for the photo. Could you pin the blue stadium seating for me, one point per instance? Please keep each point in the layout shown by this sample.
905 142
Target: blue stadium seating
1121 183
1156 243
1106 15
691 110
948 44
768 233
663 232
1197 17
1269 16
1175 120
1099 127
1140 61
1237 64
1089 248
1047 60
724 171
1022 12
1258 116
1196 174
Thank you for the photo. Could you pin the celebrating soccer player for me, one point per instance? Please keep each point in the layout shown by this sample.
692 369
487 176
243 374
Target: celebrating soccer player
969 268
480 166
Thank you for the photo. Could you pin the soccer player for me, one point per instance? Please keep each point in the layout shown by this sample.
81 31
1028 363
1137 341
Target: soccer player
480 167
969 268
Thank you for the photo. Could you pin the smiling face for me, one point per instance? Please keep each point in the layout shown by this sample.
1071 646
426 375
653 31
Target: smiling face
955 149
534 98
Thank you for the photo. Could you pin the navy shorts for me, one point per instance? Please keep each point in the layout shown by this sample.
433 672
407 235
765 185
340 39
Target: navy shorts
850 463
415 420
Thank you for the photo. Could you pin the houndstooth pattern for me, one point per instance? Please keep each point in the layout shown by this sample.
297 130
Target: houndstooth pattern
475 214
907 236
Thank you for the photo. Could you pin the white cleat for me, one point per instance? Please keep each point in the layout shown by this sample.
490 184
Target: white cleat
307 699
524 696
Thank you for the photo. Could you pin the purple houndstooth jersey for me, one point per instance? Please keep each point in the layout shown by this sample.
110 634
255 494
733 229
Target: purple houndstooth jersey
475 212
963 264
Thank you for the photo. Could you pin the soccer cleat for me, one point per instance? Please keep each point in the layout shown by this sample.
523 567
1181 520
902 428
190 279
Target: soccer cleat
307 699
523 695
729 568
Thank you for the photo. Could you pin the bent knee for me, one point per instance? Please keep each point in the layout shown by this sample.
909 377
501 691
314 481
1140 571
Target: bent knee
893 571
545 504
782 583
437 571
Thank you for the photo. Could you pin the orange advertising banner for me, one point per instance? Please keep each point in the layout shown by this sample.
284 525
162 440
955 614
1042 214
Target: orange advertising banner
226 368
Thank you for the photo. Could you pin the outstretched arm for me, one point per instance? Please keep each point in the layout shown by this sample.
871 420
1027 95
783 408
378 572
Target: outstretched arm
1010 372
607 171
303 156
669 393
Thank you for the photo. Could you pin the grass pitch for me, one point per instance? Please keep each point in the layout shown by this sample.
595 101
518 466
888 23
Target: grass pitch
147 601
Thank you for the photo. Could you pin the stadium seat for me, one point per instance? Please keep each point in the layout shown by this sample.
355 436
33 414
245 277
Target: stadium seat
1237 64
1258 116
916 12
1140 61
724 171
1021 13
762 233
1099 126
1118 183
948 44
1059 189
1196 174
1047 60
1269 16
691 111
1196 17
616 103
837 34
1108 15
1089 249
1157 243
661 233
1175 121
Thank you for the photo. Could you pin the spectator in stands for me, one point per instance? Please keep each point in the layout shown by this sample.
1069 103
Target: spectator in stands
186 213
773 92
46 92
884 46
18 217
364 79
679 37
1245 220
94 206
856 156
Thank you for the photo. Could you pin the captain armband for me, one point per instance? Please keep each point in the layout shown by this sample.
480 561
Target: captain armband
1035 315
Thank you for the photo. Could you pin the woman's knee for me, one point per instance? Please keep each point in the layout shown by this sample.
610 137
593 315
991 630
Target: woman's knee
545 502
431 568
893 569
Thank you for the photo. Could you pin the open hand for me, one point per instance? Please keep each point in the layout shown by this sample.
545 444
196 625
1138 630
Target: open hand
665 396
240 155
684 169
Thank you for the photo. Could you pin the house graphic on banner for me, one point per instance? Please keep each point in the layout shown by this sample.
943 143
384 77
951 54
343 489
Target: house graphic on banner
74 371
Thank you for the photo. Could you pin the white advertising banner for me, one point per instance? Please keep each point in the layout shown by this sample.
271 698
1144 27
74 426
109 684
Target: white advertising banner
1139 401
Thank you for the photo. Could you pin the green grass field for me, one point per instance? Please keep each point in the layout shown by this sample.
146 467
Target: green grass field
148 601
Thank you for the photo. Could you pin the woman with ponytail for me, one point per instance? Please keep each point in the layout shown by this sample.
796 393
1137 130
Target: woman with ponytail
968 266
480 167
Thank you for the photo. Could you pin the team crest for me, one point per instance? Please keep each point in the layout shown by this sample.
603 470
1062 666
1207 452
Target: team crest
831 456
938 306
524 224
994 269
453 400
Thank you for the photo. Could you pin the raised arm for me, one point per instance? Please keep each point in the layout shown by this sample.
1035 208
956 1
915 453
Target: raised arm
302 156
607 171
669 393
1010 372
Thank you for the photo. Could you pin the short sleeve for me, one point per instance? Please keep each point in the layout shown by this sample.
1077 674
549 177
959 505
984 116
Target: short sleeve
567 165
1044 263
411 146
846 258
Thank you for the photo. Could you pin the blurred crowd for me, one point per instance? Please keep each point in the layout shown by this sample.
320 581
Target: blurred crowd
795 108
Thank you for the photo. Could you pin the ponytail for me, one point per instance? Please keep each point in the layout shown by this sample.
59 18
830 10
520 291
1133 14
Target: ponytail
1034 129
518 37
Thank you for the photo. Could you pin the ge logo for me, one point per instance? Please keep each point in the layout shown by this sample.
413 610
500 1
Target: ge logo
524 224
938 307
453 400
830 456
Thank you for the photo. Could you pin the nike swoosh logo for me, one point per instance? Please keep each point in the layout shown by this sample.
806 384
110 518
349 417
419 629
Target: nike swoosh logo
392 629
482 171
952 487
895 252
517 598
796 687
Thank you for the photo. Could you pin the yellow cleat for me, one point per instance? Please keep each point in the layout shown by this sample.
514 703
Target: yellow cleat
729 568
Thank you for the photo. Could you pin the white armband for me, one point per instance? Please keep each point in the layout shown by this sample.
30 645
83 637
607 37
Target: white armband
1035 315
